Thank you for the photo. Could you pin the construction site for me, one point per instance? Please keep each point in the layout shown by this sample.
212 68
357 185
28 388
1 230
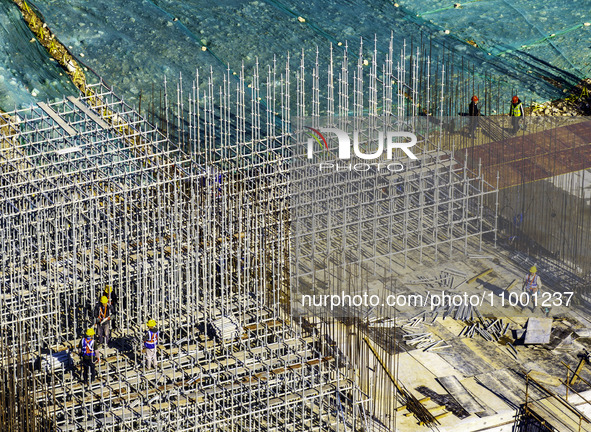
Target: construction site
211 213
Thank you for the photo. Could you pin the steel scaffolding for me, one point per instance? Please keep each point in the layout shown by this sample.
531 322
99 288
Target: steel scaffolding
211 242
92 195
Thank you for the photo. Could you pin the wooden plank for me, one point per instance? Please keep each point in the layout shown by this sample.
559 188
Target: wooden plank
578 371
57 119
455 388
512 285
561 403
480 275
556 416
501 388
86 110
531 157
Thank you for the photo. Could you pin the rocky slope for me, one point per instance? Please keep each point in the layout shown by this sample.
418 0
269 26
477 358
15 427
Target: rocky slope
577 104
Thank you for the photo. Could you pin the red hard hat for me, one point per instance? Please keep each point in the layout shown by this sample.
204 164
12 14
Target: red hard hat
474 98
515 99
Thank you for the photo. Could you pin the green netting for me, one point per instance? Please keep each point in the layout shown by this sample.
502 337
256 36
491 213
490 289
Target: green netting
532 35
26 72
135 44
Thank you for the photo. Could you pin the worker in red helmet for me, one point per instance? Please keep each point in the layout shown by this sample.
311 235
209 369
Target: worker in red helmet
473 112
516 113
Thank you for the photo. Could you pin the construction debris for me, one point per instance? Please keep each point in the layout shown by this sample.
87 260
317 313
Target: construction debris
490 329
226 328
480 275
61 360
426 341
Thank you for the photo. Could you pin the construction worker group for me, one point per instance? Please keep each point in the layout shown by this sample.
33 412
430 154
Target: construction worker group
103 314
516 113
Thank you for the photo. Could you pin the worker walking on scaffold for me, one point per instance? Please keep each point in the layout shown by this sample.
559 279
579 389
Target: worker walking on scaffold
150 344
112 297
102 320
532 284
88 355
113 300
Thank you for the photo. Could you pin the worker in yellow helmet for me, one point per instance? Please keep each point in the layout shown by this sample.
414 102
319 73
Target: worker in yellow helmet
89 355
111 296
102 320
113 302
150 343
533 285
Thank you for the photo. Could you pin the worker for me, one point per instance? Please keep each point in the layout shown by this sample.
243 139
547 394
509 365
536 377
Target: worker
113 302
150 343
516 113
473 112
112 297
533 285
102 317
89 355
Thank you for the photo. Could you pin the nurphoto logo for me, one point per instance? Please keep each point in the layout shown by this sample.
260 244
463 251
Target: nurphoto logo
390 141
345 143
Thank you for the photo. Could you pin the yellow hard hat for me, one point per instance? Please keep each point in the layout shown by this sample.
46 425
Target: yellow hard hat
533 269
90 332
104 300
108 289
151 323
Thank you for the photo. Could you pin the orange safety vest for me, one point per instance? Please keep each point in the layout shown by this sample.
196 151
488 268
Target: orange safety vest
152 341
102 313
531 283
